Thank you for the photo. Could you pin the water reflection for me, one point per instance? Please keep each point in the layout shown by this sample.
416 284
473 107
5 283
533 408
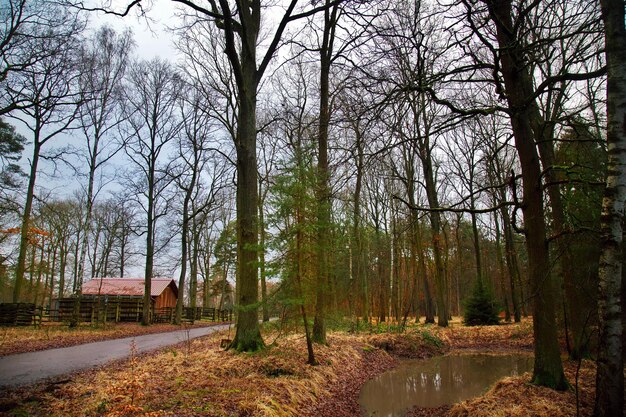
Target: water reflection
437 381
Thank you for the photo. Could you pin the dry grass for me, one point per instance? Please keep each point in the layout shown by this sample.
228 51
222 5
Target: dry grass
206 381
414 344
50 336
203 380
516 397
507 336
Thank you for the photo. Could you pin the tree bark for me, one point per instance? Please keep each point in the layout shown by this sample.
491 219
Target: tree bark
262 272
248 335
326 51
548 368
610 373
28 205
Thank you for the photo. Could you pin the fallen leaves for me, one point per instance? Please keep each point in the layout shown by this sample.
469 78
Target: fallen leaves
200 379
507 336
51 336
211 382
414 344
516 397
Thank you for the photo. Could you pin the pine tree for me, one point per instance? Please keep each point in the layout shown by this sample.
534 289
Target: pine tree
481 307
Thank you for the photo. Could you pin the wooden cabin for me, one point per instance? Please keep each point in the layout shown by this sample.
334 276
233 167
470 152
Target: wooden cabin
164 292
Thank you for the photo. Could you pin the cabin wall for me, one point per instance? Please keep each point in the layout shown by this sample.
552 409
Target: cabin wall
166 299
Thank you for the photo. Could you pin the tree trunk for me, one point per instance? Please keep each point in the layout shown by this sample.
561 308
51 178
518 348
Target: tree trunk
28 205
86 228
262 273
248 335
395 277
502 281
425 154
147 298
435 223
358 252
326 51
52 269
548 368
39 273
511 261
184 247
476 236
194 249
382 275
428 298
299 273
62 266
575 311
610 373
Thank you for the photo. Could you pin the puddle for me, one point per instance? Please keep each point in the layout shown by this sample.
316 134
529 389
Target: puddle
437 381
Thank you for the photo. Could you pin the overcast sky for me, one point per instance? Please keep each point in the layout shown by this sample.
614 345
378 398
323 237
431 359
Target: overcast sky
151 34
152 39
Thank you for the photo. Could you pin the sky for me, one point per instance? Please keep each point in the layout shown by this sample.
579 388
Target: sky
152 39
151 34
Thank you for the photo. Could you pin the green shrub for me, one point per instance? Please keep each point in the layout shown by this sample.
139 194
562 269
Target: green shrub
481 307
431 338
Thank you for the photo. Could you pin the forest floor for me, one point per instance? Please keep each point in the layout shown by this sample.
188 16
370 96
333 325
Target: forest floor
57 335
198 378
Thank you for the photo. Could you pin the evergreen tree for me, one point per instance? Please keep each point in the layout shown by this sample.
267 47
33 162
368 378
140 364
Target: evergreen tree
481 307
11 147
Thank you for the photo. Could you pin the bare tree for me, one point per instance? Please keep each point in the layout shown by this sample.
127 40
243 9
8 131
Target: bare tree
193 145
269 150
103 64
517 80
153 124
27 25
293 194
48 87
60 216
240 26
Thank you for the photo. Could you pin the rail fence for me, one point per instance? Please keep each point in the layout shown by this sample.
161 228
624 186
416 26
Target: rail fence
102 310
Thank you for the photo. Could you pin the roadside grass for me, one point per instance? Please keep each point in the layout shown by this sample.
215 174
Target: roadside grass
55 335
206 382
198 378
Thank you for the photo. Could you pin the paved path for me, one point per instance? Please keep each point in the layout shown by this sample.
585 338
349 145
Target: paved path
31 367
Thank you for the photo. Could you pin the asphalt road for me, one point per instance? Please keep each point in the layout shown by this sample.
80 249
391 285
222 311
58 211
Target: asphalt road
31 367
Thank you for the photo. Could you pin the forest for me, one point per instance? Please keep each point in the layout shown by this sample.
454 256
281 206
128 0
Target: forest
365 165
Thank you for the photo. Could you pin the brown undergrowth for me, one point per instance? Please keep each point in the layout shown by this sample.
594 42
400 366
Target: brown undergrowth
50 336
506 336
413 344
198 378
517 397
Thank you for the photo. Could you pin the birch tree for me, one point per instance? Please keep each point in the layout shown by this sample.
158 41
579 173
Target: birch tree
610 375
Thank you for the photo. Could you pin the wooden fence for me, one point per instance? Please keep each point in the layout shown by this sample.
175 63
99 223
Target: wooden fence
102 310
17 314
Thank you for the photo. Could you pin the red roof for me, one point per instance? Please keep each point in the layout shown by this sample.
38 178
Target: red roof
126 286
